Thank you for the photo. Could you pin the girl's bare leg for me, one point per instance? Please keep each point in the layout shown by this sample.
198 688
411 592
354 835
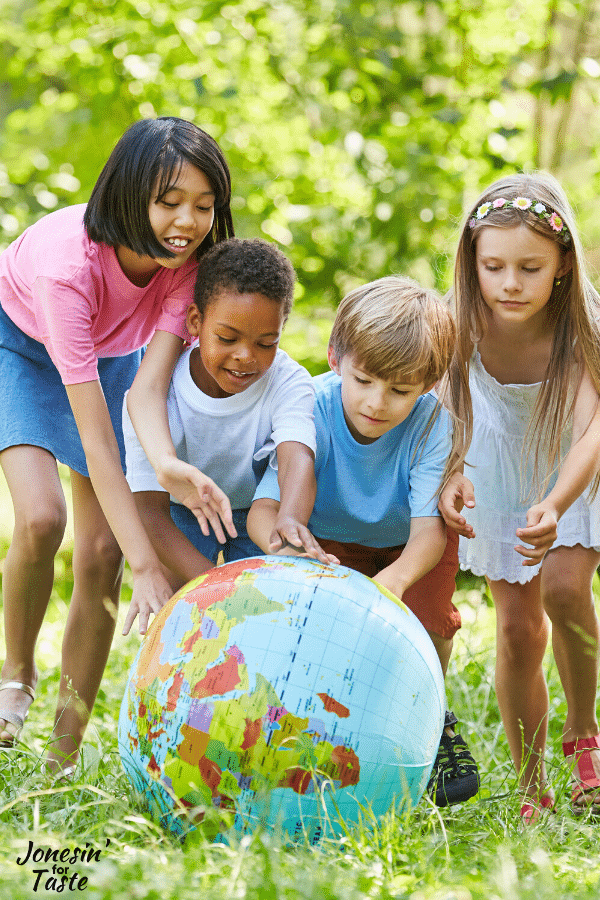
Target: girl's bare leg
567 574
40 518
97 571
522 635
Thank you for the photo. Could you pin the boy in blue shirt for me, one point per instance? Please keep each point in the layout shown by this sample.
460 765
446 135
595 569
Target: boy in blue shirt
383 451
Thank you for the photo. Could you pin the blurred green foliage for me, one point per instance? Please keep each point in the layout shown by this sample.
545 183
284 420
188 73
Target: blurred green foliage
356 132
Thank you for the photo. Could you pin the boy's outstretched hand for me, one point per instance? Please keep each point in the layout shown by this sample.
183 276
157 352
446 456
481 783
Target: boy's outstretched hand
458 492
288 532
200 494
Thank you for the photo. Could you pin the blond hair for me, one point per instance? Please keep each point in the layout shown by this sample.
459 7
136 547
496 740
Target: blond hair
396 329
573 308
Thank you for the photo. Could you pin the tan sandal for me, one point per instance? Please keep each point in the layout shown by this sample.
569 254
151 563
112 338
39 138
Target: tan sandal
13 718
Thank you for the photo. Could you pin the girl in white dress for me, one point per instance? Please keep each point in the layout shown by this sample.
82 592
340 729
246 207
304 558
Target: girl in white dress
528 321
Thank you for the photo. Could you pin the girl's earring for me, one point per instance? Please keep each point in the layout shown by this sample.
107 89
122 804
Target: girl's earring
557 282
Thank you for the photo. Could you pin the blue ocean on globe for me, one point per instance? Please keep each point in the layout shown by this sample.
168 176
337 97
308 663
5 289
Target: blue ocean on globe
290 693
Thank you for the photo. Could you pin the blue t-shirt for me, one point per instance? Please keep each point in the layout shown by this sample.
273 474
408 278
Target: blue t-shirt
368 493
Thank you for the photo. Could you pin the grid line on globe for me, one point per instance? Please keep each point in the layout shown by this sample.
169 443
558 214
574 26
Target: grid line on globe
285 693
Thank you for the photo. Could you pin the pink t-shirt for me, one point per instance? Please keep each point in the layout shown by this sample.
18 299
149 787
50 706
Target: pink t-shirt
71 294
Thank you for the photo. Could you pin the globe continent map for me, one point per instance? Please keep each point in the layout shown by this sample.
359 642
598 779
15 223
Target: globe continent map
289 692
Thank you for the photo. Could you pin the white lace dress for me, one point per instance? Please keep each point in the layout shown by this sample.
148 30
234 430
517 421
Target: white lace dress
501 416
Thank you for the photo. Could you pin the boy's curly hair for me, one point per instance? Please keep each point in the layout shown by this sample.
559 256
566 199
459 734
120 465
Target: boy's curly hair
250 266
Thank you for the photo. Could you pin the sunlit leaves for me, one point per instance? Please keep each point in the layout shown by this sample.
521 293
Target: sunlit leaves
355 131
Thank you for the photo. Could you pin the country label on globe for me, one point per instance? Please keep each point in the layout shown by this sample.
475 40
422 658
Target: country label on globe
269 684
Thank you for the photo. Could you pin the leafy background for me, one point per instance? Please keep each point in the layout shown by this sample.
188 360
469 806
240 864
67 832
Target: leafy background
356 132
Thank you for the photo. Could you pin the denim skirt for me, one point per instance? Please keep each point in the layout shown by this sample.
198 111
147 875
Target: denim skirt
34 407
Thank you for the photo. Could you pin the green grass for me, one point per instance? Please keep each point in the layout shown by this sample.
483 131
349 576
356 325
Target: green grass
477 850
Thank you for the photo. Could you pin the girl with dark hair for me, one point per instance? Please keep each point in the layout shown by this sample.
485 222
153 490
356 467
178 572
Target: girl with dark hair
81 292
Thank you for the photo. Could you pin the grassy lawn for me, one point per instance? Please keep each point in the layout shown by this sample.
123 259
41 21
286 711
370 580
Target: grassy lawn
477 851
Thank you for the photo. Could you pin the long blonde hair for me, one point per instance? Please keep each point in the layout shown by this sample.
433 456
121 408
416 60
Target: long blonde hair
573 306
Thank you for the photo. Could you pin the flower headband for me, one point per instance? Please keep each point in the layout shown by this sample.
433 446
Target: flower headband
524 203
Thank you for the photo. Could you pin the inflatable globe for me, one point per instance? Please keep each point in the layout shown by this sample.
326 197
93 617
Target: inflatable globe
290 693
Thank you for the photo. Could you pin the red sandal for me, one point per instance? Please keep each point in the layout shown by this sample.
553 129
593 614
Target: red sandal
531 810
586 782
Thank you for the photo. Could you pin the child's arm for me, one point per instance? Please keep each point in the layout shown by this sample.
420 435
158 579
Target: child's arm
147 407
261 524
172 547
427 536
151 590
579 467
457 493
298 488
423 550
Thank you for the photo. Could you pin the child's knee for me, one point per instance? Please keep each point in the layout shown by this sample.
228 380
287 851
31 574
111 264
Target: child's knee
99 557
40 529
523 638
561 597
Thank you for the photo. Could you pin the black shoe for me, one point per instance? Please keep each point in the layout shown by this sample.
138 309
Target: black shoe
454 777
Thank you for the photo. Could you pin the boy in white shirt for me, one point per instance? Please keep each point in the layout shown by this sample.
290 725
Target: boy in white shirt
234 398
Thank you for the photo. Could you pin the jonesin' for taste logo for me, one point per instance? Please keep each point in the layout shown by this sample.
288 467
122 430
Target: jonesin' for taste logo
55 868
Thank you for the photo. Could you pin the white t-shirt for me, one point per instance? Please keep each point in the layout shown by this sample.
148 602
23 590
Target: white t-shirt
231 438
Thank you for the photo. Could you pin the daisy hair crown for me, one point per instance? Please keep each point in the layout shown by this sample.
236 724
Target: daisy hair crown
536 207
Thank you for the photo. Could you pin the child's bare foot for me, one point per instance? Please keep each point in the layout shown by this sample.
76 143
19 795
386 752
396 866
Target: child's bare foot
61 767
63 751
